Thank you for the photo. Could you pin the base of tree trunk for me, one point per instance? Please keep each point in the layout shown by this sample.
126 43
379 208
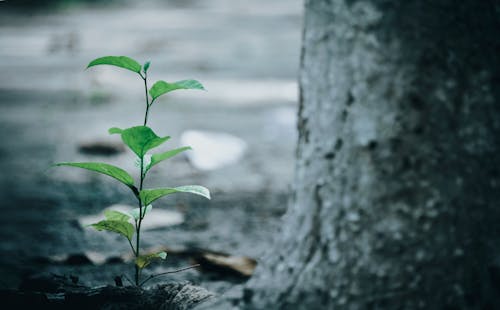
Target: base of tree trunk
56 292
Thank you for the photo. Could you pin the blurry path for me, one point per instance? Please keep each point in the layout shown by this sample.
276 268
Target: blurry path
246 54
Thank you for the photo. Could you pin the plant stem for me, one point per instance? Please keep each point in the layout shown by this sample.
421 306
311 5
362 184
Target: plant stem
131 246
141 216
138 226
125 276
168 272
145 78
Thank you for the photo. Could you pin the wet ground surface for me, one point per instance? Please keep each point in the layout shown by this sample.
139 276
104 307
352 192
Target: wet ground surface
246 54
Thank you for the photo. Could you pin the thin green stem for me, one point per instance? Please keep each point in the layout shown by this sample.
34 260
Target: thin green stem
138 222
138 225
131 246
168 272
125 276
145 78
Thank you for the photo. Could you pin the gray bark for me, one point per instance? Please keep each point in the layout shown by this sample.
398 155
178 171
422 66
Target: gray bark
395 201
58 292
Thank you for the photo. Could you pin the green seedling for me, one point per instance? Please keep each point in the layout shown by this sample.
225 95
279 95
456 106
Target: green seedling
141 140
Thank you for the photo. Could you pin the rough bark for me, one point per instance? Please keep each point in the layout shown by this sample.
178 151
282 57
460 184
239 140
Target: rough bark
395 202
57 292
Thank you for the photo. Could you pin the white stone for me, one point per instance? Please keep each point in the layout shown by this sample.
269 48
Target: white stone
212 150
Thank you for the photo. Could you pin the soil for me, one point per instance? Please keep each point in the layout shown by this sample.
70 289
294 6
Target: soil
245 53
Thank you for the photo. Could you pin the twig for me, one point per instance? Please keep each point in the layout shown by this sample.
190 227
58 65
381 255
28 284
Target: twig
127 278
168 272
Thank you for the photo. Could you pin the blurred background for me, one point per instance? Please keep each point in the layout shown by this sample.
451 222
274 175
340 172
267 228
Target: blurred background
242 130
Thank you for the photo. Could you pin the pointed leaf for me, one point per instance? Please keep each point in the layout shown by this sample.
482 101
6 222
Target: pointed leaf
149 195
162 87
157 158
141 139
144 260
135 212
113 171
120 227
113 215
115 130
146 66
119 61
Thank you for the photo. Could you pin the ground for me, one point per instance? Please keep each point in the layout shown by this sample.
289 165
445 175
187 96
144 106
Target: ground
245 53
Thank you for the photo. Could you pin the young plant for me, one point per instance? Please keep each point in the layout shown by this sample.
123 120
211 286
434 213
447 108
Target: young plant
140 139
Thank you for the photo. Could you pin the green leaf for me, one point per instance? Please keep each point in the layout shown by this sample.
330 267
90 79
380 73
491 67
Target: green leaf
146 66
115 130
113 215
157 158
144 260
135 212
149 195
120 227
162 87
140 139
119 61
113 171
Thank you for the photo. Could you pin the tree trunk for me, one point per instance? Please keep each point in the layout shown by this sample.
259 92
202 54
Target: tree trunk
396 192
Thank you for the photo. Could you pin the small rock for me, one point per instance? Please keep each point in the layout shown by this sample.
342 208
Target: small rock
100 148
96 258
115 260
77 259
212 150
74 259
158 218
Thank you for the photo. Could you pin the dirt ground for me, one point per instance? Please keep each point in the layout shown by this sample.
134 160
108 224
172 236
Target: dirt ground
246 53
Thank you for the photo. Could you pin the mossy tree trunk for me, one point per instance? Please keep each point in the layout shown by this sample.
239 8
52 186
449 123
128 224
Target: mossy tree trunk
396 200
